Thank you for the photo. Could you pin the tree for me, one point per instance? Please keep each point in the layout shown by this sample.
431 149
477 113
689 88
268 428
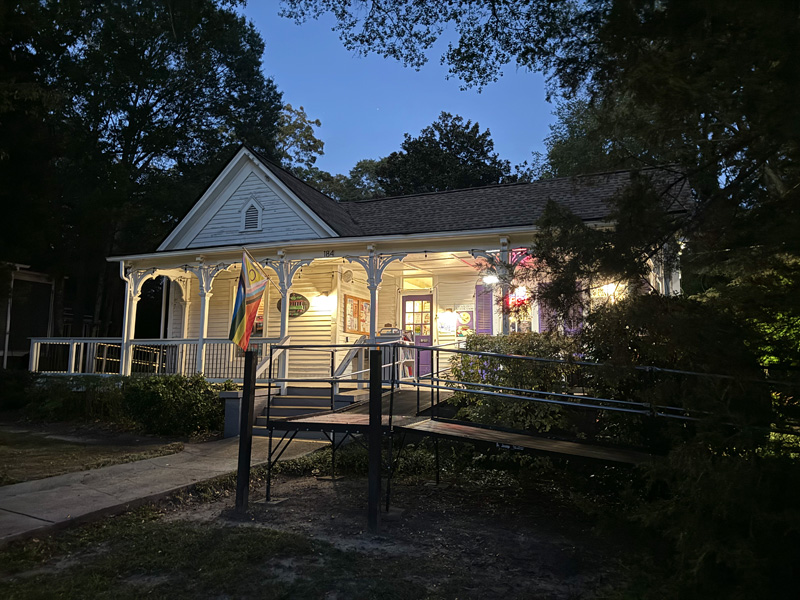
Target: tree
360 184
150 98
451 153
710 85
297 144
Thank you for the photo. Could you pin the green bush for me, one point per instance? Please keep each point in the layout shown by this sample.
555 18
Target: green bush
515 373
732 520
15 388
79 397
174 404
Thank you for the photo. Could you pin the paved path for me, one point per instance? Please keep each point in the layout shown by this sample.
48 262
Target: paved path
38 507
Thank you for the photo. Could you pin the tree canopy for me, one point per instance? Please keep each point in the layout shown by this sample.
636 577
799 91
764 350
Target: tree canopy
451 153
129 107
710 86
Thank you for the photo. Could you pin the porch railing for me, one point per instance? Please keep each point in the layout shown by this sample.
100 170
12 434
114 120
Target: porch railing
101 356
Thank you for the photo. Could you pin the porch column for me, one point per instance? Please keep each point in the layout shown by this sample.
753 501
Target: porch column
8 318
374 264
205 298
134 279
164 320
205 278
505 260
286 269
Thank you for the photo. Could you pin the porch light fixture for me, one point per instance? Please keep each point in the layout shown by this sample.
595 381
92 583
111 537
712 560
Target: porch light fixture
491 279
518 297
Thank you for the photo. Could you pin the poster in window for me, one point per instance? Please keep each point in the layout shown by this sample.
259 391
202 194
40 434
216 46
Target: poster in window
356 315
465 323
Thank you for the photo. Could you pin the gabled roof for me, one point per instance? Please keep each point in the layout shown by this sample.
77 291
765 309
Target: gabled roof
507 205
489 207
328 209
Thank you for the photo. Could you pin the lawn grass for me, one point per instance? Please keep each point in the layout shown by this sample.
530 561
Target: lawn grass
25 456
140 554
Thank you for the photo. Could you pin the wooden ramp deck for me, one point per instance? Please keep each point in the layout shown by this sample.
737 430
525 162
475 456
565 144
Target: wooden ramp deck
355 420
520 441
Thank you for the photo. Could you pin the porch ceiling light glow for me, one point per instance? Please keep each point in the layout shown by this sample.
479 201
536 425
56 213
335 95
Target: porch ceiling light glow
324 303
491 279
448 318
609 289
519 297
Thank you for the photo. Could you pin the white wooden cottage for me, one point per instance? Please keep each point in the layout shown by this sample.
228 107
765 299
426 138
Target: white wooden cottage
348 269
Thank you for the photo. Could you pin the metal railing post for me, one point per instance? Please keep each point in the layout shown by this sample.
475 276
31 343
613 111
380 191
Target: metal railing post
333 382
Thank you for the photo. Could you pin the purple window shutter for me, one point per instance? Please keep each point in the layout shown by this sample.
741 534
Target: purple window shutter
547 317
574 323
546 314
484 309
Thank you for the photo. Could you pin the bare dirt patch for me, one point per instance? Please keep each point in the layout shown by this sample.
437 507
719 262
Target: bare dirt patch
456 541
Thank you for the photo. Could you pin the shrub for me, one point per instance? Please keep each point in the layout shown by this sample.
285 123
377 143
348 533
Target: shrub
15 388
79 397
732 520
515 373
174 404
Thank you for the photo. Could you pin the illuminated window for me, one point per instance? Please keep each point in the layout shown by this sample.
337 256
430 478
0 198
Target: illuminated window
417 283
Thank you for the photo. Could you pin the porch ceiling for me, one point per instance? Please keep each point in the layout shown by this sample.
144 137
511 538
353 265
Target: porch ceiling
438 263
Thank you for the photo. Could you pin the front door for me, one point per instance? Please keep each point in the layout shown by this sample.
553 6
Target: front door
418 319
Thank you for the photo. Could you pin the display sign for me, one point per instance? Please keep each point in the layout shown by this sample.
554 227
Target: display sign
356 315
298 305
465 322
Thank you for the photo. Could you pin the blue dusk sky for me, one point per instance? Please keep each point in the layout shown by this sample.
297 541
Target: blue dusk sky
366 104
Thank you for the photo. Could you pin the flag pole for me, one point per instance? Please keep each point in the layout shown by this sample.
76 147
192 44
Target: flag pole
246 432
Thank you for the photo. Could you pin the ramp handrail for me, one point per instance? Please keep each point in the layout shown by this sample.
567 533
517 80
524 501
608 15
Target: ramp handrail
266 360
351 354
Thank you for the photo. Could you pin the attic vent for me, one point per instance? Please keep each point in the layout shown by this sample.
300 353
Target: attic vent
251 218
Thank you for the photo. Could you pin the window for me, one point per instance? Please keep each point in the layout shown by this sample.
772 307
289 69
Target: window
417 283
251 216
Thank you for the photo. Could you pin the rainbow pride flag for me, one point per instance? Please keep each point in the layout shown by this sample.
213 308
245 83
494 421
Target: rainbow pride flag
252 281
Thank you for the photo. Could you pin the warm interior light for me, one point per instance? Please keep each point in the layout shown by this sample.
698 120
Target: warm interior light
447 319
609 289
491 279
518 297
324 303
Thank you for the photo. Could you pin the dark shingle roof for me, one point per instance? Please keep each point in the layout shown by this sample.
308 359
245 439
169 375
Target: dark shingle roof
507 205
495 206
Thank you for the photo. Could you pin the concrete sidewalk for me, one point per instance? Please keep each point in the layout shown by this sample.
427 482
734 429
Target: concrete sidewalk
41 506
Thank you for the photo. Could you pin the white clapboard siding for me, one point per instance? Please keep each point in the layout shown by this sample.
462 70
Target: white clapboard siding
387 301
314 326
278 220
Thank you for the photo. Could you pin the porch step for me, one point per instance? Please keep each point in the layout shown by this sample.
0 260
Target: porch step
305 436
323 402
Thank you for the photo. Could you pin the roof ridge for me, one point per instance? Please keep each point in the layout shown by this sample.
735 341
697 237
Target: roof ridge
509 185
273 164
